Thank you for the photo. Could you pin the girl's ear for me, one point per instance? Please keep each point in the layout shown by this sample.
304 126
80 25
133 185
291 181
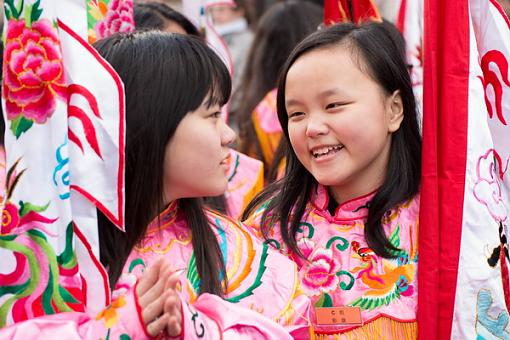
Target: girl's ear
395 111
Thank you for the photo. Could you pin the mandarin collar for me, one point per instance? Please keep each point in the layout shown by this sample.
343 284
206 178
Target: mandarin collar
166 217
353 209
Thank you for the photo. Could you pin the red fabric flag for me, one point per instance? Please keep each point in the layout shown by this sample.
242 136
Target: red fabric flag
463 270
336 11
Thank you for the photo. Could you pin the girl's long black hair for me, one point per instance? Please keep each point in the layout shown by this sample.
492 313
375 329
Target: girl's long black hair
165 76
378 49
279 30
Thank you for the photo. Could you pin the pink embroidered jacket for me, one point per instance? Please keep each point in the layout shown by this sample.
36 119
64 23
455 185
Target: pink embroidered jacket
267 126
263 285
341 270
245 180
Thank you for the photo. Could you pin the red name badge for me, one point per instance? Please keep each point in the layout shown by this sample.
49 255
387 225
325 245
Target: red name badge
348 316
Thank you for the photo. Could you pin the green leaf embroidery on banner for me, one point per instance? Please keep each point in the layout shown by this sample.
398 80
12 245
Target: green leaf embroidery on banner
125 337
8 16
10 10
26 207
20 125
35 11
67 258
20 7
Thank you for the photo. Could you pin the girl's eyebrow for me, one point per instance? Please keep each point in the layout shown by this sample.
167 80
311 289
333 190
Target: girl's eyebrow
291 102
322 94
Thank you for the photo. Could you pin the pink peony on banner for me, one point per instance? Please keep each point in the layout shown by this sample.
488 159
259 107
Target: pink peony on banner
33 70
106 17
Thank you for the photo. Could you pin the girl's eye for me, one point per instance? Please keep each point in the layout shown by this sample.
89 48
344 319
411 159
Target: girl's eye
215 115
334 105
295 114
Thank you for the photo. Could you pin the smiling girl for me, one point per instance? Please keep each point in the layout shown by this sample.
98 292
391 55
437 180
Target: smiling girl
215 279
347 210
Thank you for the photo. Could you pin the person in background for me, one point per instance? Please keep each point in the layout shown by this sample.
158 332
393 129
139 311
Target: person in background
159 16
231 23
279 30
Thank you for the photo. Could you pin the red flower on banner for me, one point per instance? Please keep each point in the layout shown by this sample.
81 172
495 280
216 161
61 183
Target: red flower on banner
490 78
10 218
118 17
33 72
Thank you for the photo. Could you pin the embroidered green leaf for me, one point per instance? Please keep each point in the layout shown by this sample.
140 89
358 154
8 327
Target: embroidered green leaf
20 7
35 11
136 262
20 125
395 237
125 337
26 207
10 10
328 302
370 303
51 296
47 296
324 301
395 241
67 258
8 14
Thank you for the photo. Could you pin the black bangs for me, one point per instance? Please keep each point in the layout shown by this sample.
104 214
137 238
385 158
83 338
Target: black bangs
208 76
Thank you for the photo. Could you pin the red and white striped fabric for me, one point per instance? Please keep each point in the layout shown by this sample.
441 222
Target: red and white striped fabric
463 271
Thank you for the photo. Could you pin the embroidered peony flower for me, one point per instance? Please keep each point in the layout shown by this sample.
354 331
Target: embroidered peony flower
33 70
10 218
109 314
117 18
319 275
306 246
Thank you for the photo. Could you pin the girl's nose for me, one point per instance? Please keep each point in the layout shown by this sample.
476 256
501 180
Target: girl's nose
227 134
316 126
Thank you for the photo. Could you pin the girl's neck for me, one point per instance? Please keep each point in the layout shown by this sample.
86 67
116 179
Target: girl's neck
342 194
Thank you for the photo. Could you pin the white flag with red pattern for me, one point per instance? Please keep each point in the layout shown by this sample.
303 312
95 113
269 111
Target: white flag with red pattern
463 272
64 112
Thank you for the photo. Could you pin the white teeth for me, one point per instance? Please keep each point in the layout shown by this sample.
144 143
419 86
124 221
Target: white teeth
325 150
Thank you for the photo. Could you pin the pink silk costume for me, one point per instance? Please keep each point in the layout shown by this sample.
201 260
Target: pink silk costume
263 285
267 126
341 270
245 180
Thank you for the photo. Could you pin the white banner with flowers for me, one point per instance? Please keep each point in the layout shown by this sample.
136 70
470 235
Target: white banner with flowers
482 302
62 138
